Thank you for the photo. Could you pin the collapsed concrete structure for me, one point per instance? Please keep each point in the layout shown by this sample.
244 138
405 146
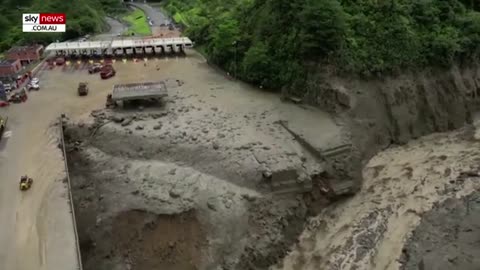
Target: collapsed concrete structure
139 91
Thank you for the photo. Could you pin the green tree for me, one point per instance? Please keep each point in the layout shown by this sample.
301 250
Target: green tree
224 36
257 63
323 26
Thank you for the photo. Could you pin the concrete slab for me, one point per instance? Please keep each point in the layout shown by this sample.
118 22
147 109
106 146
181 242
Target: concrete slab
134 91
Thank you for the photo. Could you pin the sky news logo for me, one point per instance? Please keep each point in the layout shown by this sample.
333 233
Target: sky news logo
44 22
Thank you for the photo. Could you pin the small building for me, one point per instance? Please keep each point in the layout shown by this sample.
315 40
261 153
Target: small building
26 54
10 68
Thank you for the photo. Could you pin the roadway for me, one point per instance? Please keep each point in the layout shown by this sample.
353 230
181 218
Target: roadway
157 17
116 29
36 225
159 20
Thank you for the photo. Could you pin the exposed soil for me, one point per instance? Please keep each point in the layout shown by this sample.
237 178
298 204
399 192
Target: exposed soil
235 227
447 237
146 241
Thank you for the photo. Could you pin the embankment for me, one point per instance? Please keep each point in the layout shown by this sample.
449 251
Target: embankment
395 110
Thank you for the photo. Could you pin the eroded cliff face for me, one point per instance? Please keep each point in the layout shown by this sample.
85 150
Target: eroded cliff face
397 109
380 226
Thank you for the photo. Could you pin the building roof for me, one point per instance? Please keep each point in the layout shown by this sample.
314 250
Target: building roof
118 43
16 49
7 62
139 90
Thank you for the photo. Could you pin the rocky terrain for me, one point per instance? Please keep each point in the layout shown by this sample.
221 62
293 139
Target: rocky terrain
234 184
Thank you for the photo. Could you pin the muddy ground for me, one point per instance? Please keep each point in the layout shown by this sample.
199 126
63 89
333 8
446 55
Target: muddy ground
233 225
242 175
215 153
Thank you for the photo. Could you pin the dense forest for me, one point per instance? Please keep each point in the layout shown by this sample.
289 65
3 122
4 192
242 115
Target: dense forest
83 16
276 42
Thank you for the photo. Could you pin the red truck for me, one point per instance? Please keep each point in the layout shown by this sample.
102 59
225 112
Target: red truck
107 71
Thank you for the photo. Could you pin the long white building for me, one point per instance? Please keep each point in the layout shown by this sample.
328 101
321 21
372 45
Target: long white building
120 46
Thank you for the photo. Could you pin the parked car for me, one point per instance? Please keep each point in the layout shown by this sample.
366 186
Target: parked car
8 87
95 68
35 80
60 61
4 103
33 86
107 72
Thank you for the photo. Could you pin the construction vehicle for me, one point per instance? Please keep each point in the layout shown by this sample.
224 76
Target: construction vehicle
107 71
3 126
82 89
25 183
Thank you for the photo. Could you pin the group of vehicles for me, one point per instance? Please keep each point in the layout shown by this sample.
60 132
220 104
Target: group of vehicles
106 71
12 95
34 84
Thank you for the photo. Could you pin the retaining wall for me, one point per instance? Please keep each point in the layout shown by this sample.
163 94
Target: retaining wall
70 197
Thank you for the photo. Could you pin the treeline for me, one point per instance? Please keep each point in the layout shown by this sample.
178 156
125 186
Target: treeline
83 16
275 42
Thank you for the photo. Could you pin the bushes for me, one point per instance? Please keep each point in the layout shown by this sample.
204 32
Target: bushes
137 21
277 37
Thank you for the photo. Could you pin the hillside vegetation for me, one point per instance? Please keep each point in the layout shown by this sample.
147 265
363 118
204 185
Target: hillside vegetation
276 42
83 16
137 21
